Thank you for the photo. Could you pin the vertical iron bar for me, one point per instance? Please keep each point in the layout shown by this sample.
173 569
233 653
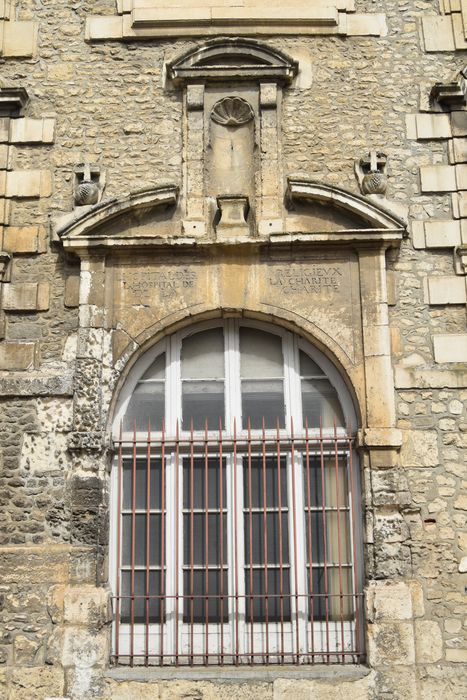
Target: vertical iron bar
235 515
177 536
294 520
221 525
339 551
162 576
354 541
206 540
148 539
192 542
119 540
310 541
133 545
325 554
281 553
252 657
265 539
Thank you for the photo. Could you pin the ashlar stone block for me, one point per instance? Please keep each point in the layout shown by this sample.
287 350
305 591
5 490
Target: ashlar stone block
433 126
17 356
36 683
438 178
27 130
390 601
446 290
19 39
391 643
28 183
27 296
428 642
450 347
438 33
25 239
442 234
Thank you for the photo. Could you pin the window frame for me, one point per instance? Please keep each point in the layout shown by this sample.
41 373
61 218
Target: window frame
291 344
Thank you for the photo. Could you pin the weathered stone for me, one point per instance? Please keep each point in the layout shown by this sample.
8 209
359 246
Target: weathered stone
391 643
36 683
419 448
428 642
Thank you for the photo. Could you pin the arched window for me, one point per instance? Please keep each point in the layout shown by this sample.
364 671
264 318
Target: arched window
235 529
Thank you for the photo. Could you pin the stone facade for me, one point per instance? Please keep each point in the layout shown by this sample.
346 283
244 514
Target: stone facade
109 94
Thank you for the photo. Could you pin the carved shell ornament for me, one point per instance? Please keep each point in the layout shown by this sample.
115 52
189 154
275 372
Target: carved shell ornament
232 111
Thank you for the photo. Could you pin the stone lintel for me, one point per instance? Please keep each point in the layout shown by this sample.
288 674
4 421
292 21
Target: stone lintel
27 385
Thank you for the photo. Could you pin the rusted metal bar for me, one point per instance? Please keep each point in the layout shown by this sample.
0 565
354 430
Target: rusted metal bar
119 542
265 536
281 552
133 546
339 549
148 541
325 550
310 534
295 545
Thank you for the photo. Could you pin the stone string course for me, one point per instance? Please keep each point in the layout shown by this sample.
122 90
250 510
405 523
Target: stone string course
109 103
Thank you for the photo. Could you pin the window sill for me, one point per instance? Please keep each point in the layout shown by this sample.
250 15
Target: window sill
233 674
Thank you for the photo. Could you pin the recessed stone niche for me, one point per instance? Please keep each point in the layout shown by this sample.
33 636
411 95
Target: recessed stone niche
233 177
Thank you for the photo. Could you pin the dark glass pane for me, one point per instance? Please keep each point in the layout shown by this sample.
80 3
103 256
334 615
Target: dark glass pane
147 404
272 540
322 483
256 475
155 522
320 404
214 475
141 482
197 546
277 607
141 606
203 401
200 599
263 399
337 537
308 367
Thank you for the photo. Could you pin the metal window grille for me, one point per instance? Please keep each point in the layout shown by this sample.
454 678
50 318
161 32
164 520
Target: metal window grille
239 548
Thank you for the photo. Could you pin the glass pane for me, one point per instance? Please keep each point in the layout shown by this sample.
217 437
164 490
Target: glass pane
146 404
334 605
199 539
260 354
278 602
263 399
320 402
195 604
199 483
256 475
309 368
143 610
141 484
155 522
254 529
203 355
320 482
156 371
328 549
202 401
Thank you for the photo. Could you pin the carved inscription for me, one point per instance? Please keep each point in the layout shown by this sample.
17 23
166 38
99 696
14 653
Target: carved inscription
310 279
167 284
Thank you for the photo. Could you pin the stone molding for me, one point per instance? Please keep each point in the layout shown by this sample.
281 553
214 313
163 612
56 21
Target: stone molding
253 61
79 227
143 19
373 213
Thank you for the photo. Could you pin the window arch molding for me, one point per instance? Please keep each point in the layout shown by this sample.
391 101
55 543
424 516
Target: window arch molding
170 342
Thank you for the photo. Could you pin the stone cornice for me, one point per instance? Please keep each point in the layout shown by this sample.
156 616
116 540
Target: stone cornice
144 19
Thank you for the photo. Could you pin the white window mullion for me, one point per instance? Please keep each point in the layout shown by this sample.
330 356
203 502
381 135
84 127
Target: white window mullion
233 396
292 386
